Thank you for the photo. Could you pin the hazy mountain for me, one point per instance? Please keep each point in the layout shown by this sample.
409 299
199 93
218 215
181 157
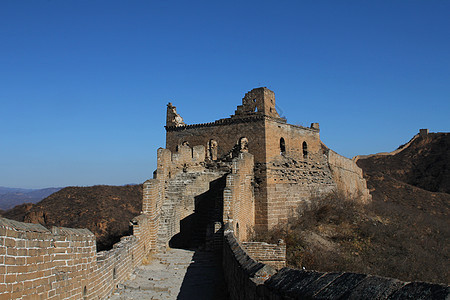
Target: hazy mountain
6 190
10 197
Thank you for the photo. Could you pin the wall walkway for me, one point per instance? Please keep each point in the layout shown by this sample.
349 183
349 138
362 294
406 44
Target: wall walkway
176 274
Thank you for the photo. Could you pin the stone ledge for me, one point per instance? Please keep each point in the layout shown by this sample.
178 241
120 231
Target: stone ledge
20 226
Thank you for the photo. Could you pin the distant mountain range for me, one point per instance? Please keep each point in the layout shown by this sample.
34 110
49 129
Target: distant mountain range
10 197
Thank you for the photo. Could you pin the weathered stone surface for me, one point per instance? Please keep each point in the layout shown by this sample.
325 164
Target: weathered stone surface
421 290
374 287
340 286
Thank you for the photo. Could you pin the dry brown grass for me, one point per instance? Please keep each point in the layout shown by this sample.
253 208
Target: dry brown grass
334 233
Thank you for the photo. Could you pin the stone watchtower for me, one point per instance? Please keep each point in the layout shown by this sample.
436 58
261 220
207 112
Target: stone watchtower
291 162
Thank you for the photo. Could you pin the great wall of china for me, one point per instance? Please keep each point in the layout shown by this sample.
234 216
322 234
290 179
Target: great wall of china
247 171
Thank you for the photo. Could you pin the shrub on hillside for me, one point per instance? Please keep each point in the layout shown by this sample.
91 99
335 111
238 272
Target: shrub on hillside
385 238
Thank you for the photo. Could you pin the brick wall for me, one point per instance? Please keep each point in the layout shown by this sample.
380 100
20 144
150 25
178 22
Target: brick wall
271 254
294 174
239 201
26 260
294 136
225 132
62 263
152 199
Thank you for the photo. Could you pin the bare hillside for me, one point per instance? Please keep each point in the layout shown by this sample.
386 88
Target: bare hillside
104 210
425 163
404 233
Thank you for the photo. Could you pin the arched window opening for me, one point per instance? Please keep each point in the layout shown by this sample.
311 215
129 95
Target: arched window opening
237 230
282 146
85 293
253 103
305 150
243 144
212 150
114 273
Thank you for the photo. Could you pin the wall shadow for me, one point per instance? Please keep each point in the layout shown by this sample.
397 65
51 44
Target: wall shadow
198 229
204 278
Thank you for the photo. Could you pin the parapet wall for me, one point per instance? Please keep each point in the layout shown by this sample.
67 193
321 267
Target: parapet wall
248 279
348 176
62 263
244 276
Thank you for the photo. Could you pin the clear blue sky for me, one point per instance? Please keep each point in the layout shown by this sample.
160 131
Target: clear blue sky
84 84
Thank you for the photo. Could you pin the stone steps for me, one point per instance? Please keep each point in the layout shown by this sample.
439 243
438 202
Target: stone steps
179 192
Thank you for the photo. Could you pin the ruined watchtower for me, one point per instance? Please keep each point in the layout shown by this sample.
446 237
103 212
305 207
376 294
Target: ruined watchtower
291 164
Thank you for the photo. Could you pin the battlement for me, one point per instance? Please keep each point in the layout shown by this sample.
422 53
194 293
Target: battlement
63 263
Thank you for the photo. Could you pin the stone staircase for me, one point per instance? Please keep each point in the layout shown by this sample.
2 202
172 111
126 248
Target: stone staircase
179 202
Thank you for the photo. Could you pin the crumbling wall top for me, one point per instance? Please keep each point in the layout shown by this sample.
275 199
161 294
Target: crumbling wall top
173 118
259 101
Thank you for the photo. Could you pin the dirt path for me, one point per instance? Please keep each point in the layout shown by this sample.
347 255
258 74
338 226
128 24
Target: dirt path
176 274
